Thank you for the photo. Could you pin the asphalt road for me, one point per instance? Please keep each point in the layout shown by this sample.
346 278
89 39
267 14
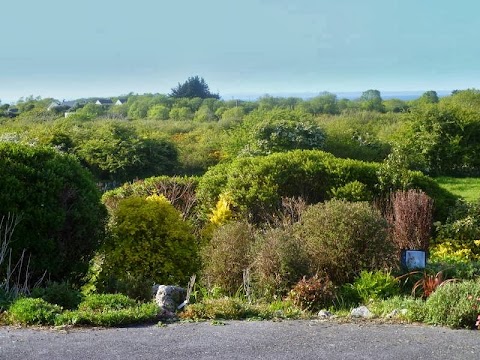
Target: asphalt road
243 340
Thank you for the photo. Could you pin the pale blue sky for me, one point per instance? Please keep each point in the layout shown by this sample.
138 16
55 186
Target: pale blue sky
63 49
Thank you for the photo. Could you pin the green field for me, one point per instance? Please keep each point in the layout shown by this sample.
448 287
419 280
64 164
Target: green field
467 188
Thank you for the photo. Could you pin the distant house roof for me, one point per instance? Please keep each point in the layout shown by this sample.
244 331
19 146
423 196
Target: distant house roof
64 104
104 102
12 112
121 101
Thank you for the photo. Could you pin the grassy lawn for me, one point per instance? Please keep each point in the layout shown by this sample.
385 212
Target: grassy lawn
468 188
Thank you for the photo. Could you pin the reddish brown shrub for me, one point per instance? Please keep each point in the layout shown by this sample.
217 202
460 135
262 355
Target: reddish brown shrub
410 215
315 293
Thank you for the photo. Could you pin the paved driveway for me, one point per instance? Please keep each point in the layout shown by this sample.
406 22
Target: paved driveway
243 340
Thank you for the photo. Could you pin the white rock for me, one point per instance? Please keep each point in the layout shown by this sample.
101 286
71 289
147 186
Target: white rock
168 298
324 314
361 312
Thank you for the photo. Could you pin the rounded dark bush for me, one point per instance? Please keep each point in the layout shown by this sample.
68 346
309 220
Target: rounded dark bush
61 217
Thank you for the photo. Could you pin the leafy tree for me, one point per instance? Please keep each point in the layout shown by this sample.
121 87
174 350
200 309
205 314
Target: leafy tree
180 113
159 112
62 219
442 139
372 100
395 105
204 114
429 97
192 88
115 152
267 131
269 137
325 103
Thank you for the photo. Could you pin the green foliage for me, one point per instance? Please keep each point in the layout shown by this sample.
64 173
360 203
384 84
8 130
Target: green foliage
199 149
115 152
359 135
227 255
283 135
30 311
61 294
442 138
454 268
257 184
134 314
314 293
158 112
454 305
106 302
371 100
94 310
228 308
352 191
375 285
414 307
275 130
325 103
149 242
344 238
62 219
462 224
180 113
192 88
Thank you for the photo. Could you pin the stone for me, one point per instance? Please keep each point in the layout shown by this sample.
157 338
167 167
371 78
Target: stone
324 314
393 314
168 298
361 312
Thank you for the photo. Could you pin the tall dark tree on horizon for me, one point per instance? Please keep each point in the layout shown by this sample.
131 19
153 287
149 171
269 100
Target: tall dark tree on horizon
194 87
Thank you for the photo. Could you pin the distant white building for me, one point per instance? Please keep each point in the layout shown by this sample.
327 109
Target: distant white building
121 101
104 102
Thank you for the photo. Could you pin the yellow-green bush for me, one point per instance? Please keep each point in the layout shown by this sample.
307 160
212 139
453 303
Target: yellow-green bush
149 241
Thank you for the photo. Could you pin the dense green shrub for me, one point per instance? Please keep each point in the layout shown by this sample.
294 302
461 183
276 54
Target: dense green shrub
375 285
258 184
462 224
266 131
352 191
123 314
149 242
227 255
454 304
62 218
359 135
30 311
61 294
114 151
105 302
269 137
314 293
343 238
